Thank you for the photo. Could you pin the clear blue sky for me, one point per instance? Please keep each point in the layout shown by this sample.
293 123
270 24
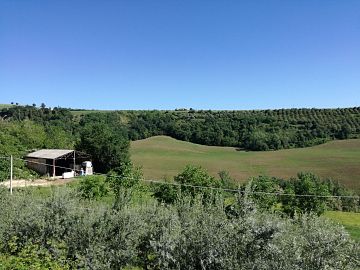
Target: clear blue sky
155 54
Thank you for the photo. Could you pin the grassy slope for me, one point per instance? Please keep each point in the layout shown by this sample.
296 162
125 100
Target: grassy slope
84 112
164 156
351 221
3 106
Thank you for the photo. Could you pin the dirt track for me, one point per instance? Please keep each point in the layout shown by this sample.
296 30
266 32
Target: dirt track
37 182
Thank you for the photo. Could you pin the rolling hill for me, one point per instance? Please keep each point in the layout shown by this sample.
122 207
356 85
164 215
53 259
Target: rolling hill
163 156
5 106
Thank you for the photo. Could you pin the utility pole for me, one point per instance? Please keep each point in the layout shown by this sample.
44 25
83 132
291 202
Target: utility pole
11 173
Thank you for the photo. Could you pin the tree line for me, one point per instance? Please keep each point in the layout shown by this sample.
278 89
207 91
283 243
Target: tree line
251 130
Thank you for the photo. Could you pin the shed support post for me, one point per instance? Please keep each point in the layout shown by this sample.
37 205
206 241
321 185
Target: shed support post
74 163
54 168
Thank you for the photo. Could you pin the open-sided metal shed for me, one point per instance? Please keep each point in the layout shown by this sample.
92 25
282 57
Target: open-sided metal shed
52 161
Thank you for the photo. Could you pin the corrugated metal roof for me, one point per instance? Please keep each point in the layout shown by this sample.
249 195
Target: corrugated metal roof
49 153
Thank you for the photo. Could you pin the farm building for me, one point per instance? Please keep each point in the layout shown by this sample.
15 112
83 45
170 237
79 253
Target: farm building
54 162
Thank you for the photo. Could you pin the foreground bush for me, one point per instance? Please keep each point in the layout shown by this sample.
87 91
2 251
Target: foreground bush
31 257
192 181
306 193
186 235
92 187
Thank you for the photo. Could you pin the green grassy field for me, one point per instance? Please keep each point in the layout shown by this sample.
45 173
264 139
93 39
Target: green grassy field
351 221
3 106
162 156
84 112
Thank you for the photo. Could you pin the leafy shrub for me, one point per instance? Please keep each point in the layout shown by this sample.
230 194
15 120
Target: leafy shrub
32 257
166 193
304 194
192 181
305 184
92 187
198 177
122 181
259 186
350 203
186 235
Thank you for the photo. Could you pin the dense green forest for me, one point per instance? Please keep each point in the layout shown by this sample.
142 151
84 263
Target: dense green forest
252 130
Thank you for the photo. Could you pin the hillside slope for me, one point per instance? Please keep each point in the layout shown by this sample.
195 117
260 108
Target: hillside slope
162 156
5 106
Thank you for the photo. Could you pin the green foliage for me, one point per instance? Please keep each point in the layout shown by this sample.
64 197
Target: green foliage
122 180
302 195
305 184
305 194
166 193
195 176
186 235
124 176
226 180
44 116
58 138
261 185
19 138
192 181
257 140
92 187
31 257
108 148
252 130
29 134
30 128
344 203
13 143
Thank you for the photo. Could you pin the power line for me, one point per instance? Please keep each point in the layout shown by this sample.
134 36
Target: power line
236 190
253 192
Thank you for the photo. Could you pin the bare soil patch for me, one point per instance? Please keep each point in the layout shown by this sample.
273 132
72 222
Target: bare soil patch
37 182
